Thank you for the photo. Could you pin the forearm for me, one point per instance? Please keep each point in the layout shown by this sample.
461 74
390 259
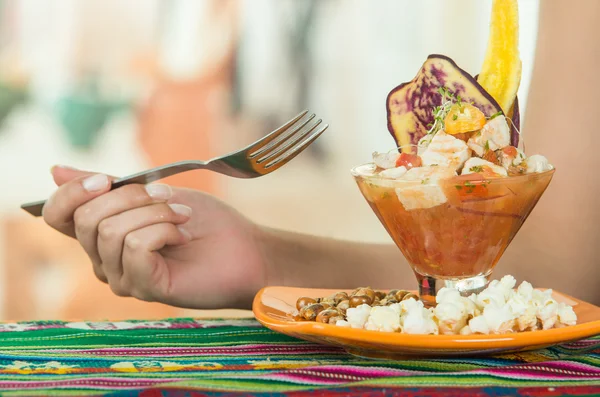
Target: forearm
300 260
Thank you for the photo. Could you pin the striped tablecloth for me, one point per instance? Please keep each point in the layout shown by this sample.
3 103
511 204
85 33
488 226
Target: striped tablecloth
187 357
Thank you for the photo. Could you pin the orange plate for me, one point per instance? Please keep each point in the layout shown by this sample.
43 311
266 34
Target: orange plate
272 307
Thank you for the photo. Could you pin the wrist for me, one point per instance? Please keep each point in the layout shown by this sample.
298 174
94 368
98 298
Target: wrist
268 244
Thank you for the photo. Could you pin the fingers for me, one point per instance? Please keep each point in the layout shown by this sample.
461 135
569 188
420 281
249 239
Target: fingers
60 208
63 174
113 231
89 215
120 230
145 272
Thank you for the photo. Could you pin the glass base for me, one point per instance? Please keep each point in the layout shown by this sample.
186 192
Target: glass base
429 286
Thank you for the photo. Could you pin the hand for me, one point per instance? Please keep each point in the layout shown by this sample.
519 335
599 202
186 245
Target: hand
156 243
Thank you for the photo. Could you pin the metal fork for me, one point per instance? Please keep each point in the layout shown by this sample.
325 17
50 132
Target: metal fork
260 158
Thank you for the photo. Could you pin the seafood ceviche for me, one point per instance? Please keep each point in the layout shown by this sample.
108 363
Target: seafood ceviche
499 309
462 140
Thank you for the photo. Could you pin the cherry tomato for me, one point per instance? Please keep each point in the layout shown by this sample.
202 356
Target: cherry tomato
462 118
409 161
510 151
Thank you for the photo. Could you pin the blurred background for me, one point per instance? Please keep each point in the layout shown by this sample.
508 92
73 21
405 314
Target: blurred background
119 86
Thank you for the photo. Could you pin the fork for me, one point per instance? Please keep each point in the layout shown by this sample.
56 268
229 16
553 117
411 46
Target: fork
260 158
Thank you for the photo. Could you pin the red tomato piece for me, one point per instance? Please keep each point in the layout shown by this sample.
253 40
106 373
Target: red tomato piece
409 161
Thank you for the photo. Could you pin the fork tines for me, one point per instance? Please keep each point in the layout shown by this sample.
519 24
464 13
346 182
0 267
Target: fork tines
288 140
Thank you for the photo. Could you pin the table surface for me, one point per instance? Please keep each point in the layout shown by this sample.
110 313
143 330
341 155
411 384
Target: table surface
218 357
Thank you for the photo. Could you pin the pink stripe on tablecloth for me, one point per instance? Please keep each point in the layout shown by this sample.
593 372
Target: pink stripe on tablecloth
87 383
331 374
337 374
554 370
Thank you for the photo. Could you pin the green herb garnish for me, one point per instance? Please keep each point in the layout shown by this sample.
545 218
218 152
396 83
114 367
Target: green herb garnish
455 117
440 112
493 116
477 168
487 146
470 187
425 181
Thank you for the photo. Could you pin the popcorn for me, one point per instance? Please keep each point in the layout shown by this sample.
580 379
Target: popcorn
542 298
471 307
383 318
491 295
452 317
494 320
520 307
498 309
447 294
419 322
497 291
548 314
499 318
507 283
452 311
410 305
527 321
416 319
466 330
478 325
525 290
397 307
566 315
357 316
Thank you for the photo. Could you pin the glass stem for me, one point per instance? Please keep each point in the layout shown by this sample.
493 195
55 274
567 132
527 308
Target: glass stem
429 286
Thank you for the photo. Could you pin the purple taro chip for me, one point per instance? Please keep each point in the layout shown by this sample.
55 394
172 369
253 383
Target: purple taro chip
410 105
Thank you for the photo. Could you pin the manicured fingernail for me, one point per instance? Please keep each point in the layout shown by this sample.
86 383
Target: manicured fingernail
159 191
95 182
185 233
64 167
181 209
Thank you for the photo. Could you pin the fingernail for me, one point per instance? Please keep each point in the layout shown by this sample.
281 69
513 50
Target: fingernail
181 209
185 233
95 182
159 191
64 167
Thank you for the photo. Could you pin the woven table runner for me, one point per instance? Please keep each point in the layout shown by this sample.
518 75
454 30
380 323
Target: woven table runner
187 357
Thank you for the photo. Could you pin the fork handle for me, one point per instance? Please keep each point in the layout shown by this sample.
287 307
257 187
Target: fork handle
35 207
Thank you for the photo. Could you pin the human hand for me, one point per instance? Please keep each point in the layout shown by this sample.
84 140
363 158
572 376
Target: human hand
156 243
